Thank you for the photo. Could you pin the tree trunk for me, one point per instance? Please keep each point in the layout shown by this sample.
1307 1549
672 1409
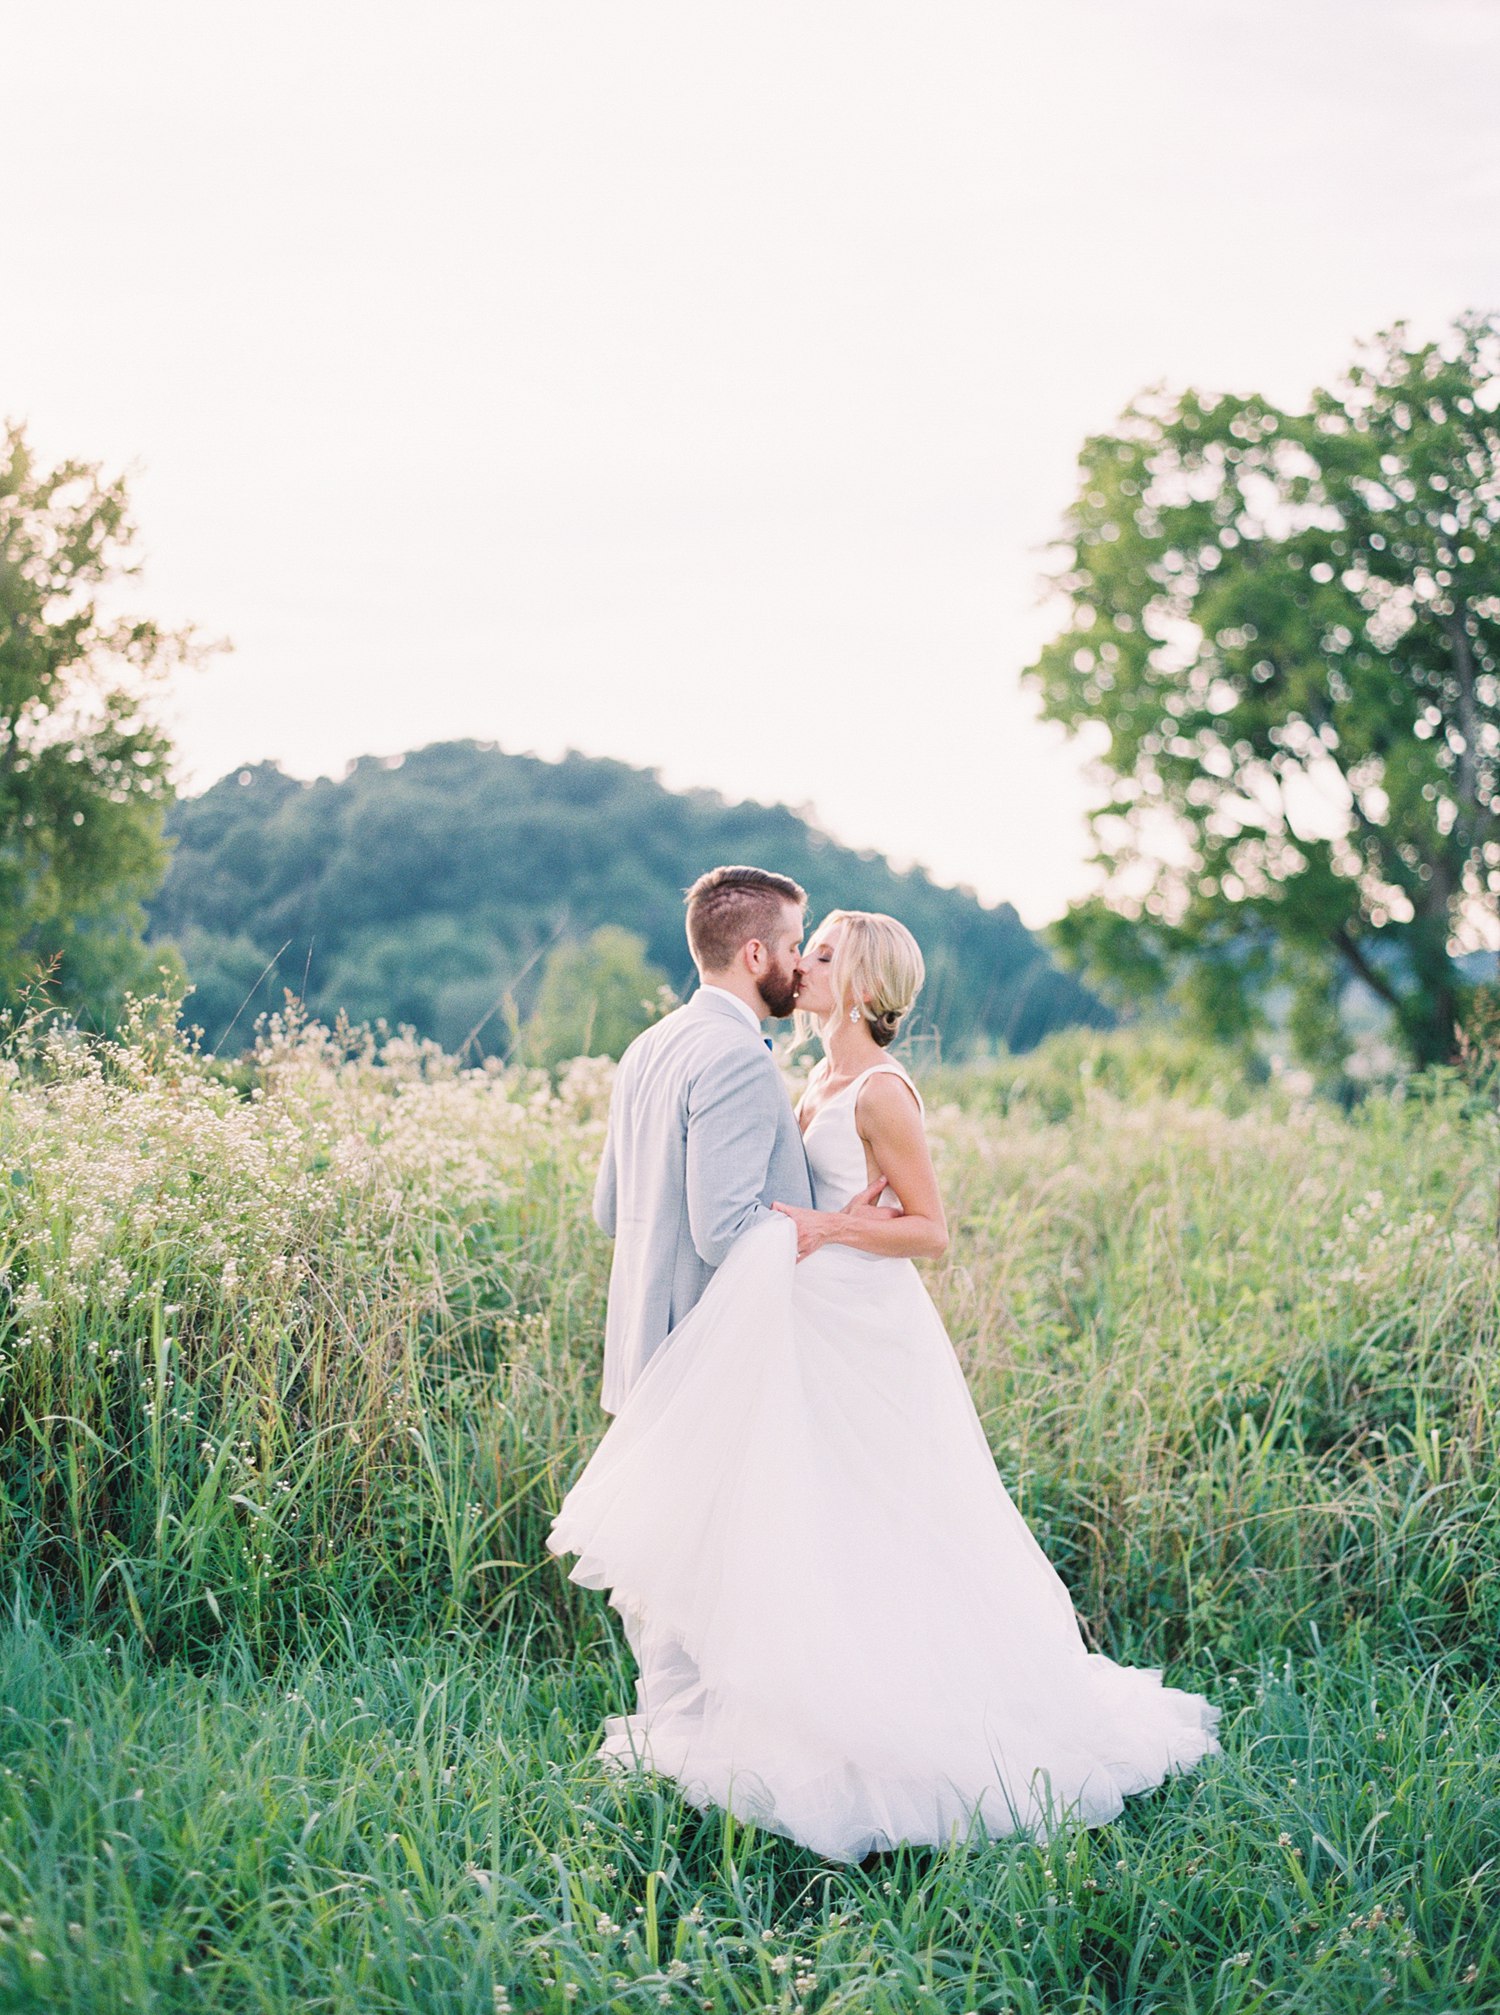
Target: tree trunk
1429 1012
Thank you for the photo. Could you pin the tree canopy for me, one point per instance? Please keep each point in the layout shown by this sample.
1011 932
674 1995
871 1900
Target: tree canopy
84 779
1289 623
432 889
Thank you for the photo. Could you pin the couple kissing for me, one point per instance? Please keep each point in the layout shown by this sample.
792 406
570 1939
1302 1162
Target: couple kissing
843 1628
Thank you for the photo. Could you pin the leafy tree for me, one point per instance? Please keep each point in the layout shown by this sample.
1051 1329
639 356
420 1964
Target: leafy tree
1289 623
594 998
83 771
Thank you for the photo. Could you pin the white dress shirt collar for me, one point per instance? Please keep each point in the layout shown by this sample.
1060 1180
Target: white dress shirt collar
744 1007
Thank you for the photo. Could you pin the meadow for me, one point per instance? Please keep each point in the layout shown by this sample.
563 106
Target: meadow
298 1354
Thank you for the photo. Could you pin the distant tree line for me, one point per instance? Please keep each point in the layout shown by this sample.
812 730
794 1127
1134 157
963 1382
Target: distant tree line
464 891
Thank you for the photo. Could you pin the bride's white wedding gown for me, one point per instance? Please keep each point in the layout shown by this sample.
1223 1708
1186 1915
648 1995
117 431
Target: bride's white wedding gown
845 1630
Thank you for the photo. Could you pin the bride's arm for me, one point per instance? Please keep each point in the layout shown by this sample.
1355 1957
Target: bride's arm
890 1122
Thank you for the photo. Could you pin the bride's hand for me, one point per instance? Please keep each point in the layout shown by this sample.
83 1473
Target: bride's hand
866 1200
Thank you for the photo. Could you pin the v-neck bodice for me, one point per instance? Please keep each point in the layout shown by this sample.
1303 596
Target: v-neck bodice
835 1152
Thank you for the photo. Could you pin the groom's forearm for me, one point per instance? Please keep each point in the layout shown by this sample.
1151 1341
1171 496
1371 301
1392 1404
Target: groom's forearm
713 1233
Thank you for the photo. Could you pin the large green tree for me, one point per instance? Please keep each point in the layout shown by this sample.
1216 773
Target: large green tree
1289 624
83 769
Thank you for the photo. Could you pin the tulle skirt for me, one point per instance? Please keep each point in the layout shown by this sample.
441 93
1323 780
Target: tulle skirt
845 1631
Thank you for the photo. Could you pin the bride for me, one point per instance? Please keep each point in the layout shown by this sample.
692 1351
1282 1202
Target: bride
845 1631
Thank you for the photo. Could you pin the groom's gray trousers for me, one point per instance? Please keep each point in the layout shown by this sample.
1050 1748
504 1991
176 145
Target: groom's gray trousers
701 1141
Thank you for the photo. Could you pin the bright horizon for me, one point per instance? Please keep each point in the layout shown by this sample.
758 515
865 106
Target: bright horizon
692 387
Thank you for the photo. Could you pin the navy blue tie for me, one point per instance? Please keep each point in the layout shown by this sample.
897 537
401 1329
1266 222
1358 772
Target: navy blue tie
767 1041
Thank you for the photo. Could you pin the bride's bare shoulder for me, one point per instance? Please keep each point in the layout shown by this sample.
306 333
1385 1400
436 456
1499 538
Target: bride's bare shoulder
889 1098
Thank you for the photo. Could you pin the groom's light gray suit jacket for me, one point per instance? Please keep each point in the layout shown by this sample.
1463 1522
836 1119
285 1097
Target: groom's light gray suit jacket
701 1141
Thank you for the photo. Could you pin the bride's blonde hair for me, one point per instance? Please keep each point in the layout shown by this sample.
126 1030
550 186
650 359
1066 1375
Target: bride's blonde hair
877 968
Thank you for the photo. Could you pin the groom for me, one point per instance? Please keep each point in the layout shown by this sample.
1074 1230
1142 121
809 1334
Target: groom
702 1139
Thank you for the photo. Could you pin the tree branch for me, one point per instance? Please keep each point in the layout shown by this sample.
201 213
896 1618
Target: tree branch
1352 952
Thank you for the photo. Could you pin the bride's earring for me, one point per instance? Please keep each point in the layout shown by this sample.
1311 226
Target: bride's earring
854 1014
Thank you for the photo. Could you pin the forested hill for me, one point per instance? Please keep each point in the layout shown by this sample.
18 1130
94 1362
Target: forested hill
421 889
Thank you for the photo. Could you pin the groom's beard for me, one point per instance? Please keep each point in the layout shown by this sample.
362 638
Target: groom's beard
779 992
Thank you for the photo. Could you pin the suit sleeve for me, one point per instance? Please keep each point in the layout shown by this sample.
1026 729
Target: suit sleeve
606 1186
733 1109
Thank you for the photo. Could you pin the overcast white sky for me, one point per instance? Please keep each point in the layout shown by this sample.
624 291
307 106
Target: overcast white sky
694 383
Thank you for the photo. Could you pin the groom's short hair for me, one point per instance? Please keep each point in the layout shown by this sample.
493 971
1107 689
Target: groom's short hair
729 906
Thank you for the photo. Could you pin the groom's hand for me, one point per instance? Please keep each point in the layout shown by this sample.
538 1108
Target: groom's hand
812 1226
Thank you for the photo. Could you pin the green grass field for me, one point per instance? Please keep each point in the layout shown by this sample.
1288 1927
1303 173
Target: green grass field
297 1359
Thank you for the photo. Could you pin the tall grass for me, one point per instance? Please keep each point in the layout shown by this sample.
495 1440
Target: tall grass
290 1341
298 1357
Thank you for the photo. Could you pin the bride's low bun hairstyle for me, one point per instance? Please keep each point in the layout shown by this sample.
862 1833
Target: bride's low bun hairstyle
877 968
883 1027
